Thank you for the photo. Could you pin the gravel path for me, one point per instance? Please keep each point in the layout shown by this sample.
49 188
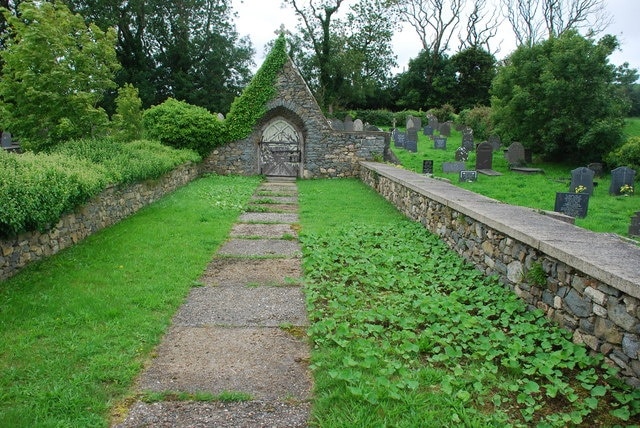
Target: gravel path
240 332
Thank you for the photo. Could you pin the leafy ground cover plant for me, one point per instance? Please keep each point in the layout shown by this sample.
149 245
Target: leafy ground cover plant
407 334
77 327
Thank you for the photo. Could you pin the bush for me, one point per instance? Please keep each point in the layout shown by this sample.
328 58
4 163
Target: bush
183 126
127 122
401 116
444 114
376 117
478 119
626 155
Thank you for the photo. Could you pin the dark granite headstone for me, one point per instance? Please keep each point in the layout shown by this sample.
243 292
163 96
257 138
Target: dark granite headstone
440 143
462 155
445 129
399 138
411 141
468 176
467 139
621 176
597 168
427 130
484 156
427 166
453 167
515 154
572 204
494 140
634 227
582 176
5 141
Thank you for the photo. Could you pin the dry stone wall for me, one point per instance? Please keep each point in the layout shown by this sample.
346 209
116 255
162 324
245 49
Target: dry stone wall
583 280
109 207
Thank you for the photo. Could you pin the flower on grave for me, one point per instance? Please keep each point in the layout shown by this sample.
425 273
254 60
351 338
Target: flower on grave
626 189
580 189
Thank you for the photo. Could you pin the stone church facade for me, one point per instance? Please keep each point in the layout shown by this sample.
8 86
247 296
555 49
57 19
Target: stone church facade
295 139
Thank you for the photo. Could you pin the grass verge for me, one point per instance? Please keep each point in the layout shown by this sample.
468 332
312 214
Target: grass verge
406 334
77 327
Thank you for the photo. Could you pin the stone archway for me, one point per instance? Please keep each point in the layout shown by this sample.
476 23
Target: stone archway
281 149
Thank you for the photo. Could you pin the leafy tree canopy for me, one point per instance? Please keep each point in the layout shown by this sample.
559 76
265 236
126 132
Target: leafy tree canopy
561 98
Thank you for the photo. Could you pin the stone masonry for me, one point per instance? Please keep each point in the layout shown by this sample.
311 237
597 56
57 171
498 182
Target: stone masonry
586 282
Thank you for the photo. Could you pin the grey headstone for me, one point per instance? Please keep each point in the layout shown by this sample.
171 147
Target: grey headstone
433 121
6 139
572 204
399 138
467 139
468 176
445 129
337 124
582 176
440 143
494 140
462 155
372 128
515 154
411 142
358 125
427 166
484 156
621 176
634 227
220 116
597 168
427 130
348 123
453 167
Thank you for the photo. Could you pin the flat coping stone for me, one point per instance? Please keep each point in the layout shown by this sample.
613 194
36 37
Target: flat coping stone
269 217
606 257
260 247
263 230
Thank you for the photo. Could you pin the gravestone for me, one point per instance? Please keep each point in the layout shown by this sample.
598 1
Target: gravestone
433 121
411 140
462 155
528 156
467 139
440 143
468 176
494 140
597 168
358 126
621 176
445 129
572 204
634 227
399 139
348 123
484 156
5 141
427 166
453 167
582 176
414 122
337 124
427 130
515 154
220 116
372 128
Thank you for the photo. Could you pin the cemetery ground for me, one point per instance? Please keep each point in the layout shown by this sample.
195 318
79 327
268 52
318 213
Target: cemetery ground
403 332
606 213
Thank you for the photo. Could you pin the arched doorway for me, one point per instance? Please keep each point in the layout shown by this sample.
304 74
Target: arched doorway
280 149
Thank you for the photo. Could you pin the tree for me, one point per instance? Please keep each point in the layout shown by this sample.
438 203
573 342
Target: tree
474 70
345 61
55 72
561 99
427 83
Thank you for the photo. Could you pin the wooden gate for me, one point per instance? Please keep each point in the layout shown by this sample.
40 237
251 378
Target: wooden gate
280 149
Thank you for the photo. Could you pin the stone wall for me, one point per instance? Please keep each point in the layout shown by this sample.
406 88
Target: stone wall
109 207
589 283
325 153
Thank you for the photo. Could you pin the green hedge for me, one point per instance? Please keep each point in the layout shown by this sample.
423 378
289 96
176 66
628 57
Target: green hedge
36 189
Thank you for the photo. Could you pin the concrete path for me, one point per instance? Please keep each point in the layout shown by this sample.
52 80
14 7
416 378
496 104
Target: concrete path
243 331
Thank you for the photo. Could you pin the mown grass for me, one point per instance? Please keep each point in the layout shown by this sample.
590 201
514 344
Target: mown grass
77 327
606 213
406 334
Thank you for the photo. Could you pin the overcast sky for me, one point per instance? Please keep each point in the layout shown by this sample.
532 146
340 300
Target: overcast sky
260 20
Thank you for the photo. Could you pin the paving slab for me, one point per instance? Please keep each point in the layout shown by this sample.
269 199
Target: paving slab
271 230
276 199
243 307
252 414
269 218
260 247
267 363
228 271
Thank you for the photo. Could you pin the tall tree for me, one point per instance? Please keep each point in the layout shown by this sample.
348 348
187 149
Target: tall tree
474 70
55 72
561 98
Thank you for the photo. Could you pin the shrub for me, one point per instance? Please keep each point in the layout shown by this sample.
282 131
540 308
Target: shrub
183 126
127 122
444 113
478 119
376 117
626 155
401 116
